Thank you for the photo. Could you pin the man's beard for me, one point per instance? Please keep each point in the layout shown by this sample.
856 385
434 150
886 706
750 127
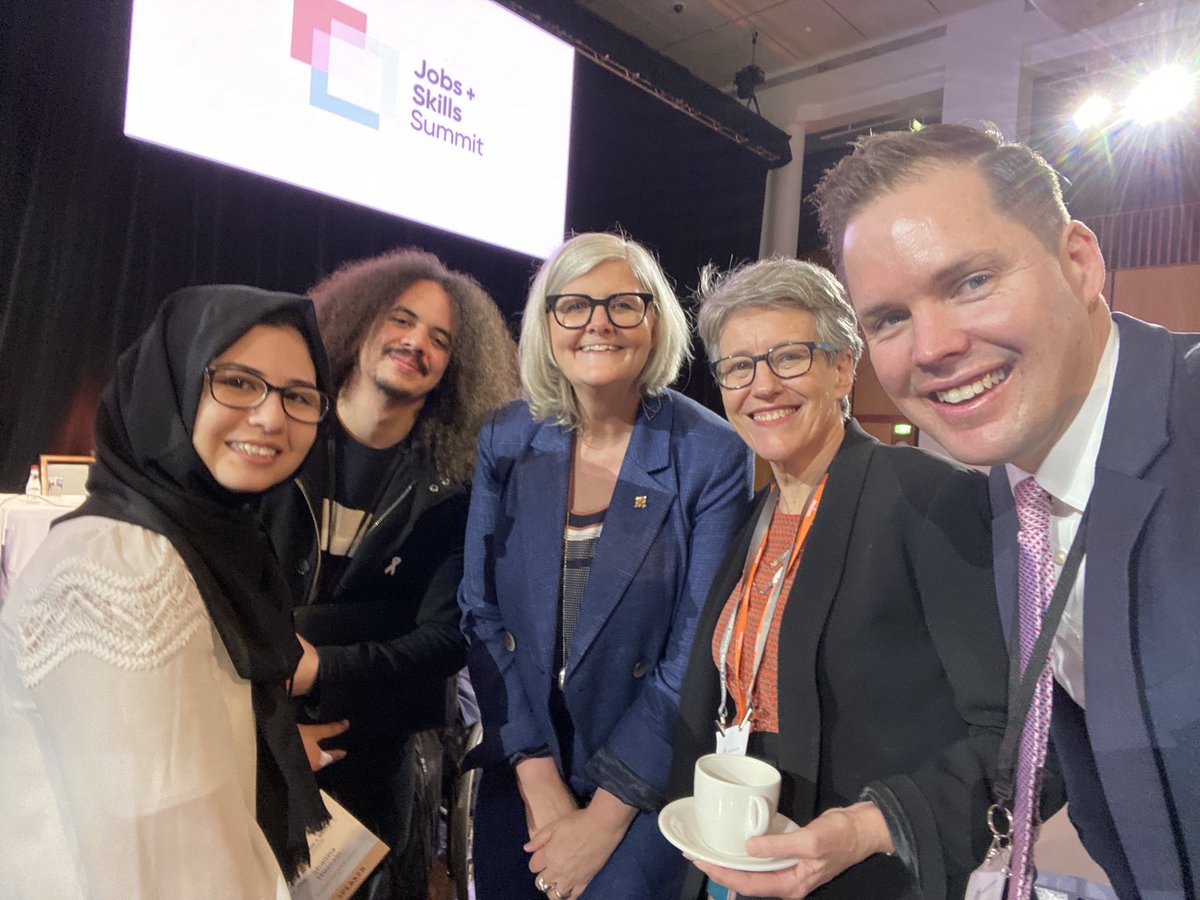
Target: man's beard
396 395
399 395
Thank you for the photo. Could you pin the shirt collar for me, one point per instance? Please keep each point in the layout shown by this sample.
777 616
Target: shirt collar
1069 469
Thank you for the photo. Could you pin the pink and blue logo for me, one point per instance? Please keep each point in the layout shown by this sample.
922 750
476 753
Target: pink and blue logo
316 25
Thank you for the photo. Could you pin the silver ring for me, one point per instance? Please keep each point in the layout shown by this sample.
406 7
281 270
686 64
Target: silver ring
541 885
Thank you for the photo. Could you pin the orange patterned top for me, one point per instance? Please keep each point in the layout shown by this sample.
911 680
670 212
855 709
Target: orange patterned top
780 535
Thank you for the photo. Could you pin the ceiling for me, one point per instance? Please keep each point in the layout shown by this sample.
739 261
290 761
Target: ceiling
1112 169
712 38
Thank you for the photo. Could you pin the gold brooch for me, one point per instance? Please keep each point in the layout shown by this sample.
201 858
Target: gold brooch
639 502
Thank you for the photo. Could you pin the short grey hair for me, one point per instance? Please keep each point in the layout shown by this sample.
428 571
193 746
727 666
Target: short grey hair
779 283
550 394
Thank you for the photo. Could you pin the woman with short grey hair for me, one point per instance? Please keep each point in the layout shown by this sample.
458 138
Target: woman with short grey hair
785 284
850 637
600 507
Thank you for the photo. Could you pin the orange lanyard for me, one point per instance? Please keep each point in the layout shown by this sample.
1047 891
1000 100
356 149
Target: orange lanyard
743 689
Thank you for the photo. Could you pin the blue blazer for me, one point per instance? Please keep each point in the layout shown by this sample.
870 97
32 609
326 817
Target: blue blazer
683 491
1131 760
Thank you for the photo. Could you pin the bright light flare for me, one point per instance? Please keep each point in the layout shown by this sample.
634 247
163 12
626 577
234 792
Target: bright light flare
1161 94
1093 112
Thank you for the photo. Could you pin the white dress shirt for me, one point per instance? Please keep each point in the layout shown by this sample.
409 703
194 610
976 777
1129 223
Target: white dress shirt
1067 474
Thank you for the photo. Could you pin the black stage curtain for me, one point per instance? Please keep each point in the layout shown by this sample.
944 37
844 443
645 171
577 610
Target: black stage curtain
96 229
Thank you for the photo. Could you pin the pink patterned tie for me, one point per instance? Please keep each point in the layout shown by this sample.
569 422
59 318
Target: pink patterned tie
1037 577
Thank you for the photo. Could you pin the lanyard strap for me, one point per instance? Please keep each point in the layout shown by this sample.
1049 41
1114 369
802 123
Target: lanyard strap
1022 685
737 619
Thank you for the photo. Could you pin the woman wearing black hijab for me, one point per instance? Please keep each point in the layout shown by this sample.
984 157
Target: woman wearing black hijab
149 749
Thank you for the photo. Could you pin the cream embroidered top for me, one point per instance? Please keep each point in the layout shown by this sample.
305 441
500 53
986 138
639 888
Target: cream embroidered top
128 766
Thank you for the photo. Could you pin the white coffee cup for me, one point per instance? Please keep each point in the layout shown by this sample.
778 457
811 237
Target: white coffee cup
735 798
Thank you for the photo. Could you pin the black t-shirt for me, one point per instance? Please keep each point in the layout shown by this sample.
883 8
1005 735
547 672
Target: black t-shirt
362 475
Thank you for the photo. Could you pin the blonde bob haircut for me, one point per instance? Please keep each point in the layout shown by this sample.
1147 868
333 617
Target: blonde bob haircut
550 394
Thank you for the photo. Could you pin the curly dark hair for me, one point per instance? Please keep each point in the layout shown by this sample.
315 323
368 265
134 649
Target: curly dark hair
482 372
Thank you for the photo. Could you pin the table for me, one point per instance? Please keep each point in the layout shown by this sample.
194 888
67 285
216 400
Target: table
24 522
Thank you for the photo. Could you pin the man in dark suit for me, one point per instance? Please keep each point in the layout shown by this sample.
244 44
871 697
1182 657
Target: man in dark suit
981 303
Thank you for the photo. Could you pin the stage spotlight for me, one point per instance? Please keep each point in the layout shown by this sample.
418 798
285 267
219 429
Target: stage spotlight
1093 112
748 78
1161 94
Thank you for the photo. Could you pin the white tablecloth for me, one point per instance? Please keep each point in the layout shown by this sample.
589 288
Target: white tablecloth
24 521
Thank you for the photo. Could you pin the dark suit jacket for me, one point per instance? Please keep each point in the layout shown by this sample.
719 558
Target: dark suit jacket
891 664
683 490
1132 762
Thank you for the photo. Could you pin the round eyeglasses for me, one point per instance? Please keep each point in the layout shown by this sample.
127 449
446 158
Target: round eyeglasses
625 310
236 388
790 360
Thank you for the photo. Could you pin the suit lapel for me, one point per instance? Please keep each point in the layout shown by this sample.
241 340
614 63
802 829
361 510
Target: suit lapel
809 602
723 584
640 502
1004 547
1135 434
543 489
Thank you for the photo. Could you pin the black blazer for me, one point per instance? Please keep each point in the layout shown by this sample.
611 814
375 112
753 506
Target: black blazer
892 668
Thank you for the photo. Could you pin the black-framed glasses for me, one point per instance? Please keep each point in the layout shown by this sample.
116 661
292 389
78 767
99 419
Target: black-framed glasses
236 388
625 310
789 360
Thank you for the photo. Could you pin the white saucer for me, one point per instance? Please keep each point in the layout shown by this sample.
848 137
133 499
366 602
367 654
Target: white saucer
677 822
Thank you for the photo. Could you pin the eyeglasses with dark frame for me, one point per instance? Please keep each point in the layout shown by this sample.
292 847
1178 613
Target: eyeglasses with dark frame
625 310
788 360
234 387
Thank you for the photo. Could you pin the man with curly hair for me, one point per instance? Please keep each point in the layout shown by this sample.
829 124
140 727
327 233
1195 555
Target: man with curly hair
374 531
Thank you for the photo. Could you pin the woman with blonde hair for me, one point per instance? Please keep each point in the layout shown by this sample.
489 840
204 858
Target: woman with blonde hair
592 537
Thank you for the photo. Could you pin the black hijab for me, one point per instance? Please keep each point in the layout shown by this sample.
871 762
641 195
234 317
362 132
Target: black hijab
148 473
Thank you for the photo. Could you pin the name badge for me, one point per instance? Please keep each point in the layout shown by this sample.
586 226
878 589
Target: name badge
734 739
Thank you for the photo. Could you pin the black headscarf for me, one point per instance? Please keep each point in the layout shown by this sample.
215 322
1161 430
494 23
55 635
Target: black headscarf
148 473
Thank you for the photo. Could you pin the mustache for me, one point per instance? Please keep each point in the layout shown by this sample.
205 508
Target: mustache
417 357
